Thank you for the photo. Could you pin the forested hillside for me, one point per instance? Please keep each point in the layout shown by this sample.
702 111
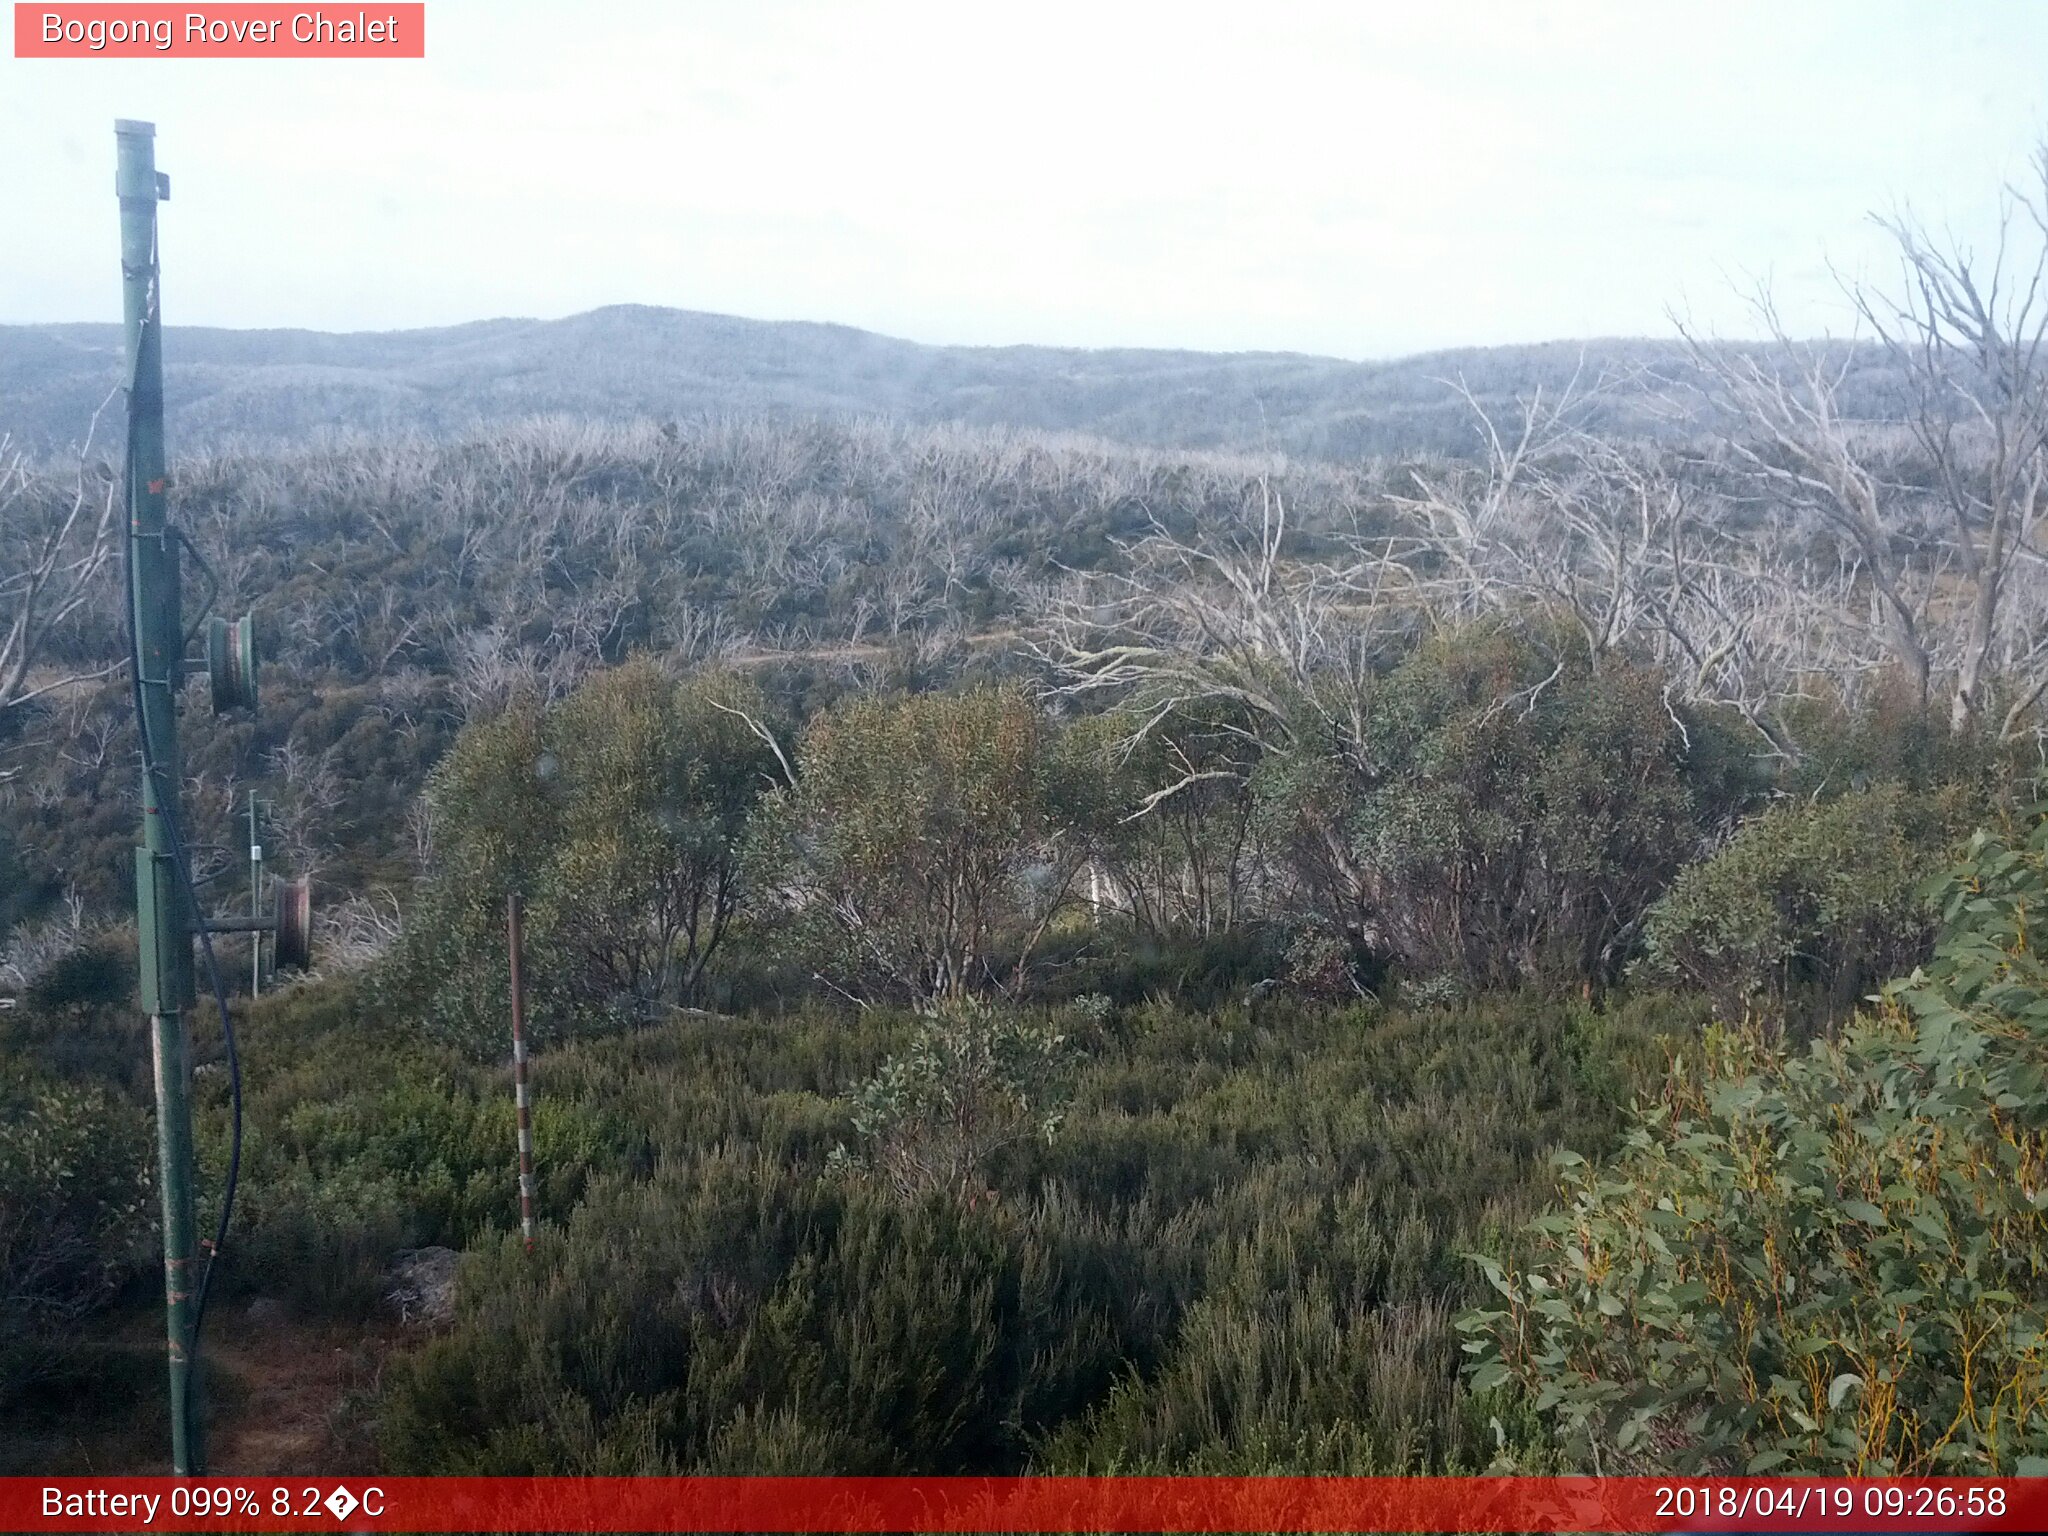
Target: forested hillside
633 362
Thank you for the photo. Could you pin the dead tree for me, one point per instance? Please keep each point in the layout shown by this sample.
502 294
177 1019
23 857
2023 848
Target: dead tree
1233 623
1965 456
53 549
1967 335
1234 635
1617 540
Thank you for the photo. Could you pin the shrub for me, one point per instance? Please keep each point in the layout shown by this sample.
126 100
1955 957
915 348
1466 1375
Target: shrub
927 836
742 1311
1239 1252
1178 850
1891 737
1512 814
974 1080
363 1138
75 1193
1126 963
619 813
98 974
17 892
1820 1261
1808 906
1319 964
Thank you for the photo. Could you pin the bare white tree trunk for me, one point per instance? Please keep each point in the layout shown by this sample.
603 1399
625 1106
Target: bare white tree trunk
50 562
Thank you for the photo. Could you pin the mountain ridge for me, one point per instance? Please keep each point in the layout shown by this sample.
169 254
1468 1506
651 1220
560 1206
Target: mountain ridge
269 388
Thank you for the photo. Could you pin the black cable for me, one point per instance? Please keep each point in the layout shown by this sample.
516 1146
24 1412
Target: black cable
167 809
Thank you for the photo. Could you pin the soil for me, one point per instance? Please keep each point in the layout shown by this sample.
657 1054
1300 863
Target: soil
283 1397
298 1396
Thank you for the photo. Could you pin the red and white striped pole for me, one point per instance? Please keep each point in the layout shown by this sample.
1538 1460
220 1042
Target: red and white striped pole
519 1092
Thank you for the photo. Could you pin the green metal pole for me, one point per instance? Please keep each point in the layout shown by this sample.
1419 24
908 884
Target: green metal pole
164 926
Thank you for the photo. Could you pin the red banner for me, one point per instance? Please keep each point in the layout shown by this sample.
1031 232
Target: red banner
1050 1504
377 31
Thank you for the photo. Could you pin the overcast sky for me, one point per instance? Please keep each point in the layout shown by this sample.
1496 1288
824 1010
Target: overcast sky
1356 179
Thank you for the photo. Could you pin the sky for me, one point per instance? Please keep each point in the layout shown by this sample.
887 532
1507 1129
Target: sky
1355 179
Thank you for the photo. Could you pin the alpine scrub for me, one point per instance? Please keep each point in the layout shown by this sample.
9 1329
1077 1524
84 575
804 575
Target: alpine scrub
1826 1260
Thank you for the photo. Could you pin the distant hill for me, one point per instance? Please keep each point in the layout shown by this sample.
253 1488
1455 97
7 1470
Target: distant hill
263 388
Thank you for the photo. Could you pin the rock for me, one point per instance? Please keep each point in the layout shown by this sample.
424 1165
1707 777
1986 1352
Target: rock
266 1312
419 1286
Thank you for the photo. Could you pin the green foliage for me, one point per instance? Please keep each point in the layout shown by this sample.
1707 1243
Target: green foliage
1808 905
619 814
1240 1251
1319 963
974 1080
1267 1382
656 783
75 1186
1824 1261
495 826
95 975
1128 963
724 1333
1179 839
1891 738
362 1138
926 835
1515 812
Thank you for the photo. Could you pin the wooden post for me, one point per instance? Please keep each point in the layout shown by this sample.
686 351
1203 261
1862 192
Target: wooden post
255 903
519 1091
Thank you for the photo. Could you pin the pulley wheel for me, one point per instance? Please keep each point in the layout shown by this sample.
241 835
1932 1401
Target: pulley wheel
294 924
231 662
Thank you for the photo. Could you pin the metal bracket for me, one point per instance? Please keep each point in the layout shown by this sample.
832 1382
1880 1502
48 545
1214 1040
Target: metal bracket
212 583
